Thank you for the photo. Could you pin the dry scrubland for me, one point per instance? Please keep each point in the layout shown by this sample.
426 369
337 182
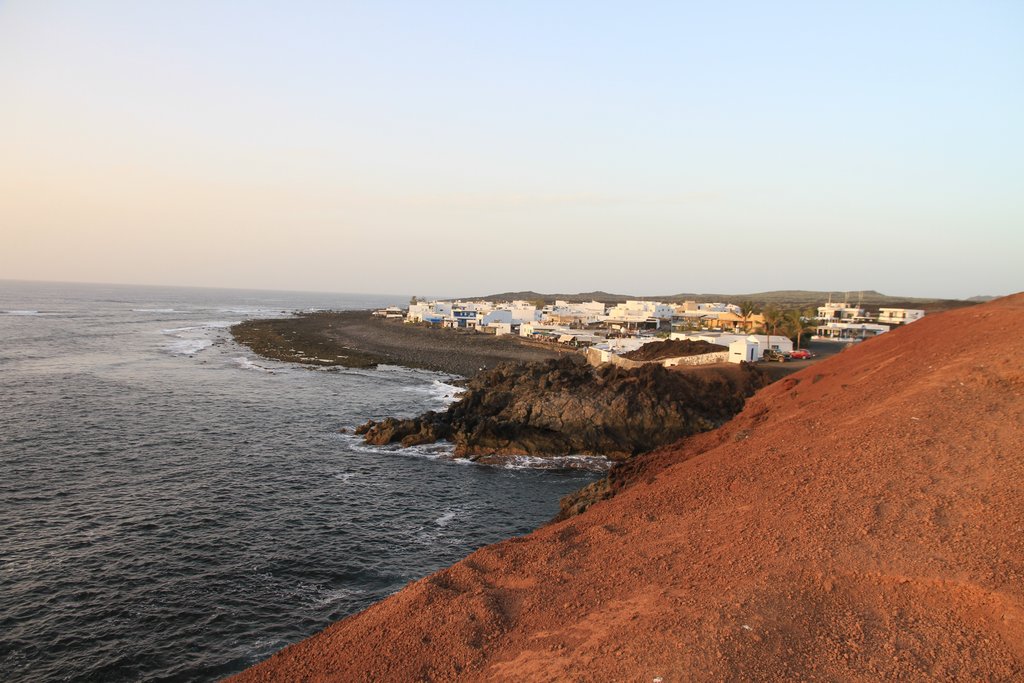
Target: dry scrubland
859 519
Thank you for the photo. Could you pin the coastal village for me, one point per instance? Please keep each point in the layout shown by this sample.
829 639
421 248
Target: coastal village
610 334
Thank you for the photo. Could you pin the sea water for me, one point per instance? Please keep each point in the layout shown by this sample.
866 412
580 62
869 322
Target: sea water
173 507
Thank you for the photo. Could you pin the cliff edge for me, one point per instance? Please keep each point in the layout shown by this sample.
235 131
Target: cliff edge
858 520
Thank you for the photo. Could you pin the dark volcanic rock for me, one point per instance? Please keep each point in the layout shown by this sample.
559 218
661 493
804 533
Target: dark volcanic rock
673 348
563 407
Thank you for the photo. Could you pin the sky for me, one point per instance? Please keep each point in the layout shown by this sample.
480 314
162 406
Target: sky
467 148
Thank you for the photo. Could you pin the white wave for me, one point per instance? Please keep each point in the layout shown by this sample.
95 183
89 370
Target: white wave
344 477
444 450
153 310
331 596
597 463
246 364
433 451
444 519
22 312
438 391
211 325
446 393
192 339
188 347
257 310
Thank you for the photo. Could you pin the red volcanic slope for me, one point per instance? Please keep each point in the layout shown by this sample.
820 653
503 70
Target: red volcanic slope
861 519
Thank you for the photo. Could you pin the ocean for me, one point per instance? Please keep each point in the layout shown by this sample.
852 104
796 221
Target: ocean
174 508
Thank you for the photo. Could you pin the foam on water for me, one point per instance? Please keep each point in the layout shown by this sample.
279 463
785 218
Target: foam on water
246 364
439 391
447 517
211 325
258 311
443 450
188 347
191 339
22 312
593 463
153 310
327 597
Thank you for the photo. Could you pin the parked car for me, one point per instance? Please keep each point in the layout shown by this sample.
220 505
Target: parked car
801 354
772 354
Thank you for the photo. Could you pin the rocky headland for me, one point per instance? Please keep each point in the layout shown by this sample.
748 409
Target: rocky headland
357 339
859 520
565 407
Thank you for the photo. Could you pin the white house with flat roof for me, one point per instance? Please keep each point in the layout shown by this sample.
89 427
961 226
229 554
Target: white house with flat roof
899 316
751 347
566 312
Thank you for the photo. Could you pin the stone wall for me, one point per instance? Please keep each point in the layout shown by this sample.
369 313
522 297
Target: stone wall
594 358
703 359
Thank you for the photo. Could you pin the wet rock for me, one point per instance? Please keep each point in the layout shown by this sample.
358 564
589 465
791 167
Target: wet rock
563 407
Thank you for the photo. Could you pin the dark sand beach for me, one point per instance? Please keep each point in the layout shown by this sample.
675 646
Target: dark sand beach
357 339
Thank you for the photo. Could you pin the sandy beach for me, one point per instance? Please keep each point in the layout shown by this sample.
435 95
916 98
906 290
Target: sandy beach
357 339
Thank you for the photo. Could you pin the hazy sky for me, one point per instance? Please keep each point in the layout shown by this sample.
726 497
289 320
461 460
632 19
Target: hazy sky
474 147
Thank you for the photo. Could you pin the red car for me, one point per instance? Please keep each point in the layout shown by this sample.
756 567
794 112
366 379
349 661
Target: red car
800 354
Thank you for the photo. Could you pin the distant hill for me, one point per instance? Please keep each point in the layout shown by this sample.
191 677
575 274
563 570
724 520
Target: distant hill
787 298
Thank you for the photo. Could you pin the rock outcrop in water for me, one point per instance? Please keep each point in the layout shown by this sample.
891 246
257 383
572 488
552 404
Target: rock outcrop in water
563 407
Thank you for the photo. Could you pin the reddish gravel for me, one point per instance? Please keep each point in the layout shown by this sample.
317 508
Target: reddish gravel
862 519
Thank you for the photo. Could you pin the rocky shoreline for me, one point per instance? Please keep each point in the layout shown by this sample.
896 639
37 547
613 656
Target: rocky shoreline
357 339
565 407
858 520
540 400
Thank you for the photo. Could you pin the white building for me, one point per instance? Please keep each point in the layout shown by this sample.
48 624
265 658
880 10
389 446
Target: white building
709 307
899 316
849 331
499 315
775 342
742 350
522 311
568 313
429 311
843 312
499 329
532 329
751 348
638 313
716 307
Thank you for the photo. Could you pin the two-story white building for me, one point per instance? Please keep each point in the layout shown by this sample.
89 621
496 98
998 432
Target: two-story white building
844 312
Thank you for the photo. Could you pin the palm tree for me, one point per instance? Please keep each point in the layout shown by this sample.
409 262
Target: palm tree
747 309
796 324
773 317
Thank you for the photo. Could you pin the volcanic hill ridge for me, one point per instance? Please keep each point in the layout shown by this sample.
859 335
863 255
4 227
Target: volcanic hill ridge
862 519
